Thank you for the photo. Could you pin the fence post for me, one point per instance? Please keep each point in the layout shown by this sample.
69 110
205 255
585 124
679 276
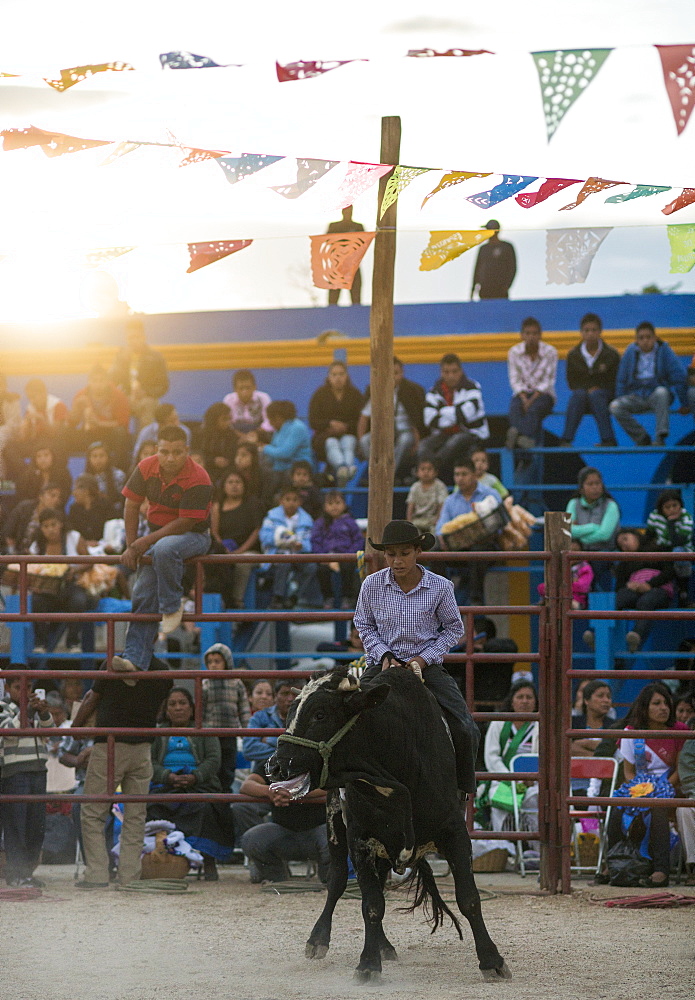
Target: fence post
552 745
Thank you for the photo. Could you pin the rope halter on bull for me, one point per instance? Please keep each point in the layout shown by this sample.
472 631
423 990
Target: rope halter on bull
325 748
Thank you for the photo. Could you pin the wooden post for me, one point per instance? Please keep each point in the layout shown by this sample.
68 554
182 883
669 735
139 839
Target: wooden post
553 784
381 471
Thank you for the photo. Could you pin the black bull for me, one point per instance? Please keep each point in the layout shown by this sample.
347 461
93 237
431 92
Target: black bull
396 765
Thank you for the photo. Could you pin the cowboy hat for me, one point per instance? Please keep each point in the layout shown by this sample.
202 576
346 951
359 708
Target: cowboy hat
404 533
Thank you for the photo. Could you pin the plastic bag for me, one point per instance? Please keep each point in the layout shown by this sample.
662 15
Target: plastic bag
626 865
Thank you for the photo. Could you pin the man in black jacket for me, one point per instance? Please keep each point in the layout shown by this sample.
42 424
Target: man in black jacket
409 427
592 367
141 373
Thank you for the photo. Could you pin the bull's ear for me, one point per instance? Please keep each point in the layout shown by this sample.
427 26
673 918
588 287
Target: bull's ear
362 700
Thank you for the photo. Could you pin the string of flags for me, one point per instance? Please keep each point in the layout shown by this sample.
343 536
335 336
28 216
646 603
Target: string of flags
563 74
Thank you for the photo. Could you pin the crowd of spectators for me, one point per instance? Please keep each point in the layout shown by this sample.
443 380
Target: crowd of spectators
277 489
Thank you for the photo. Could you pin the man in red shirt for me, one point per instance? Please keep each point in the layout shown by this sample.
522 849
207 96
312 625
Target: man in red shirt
179 493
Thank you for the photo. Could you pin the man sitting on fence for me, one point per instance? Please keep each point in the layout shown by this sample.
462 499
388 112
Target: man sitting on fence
179 492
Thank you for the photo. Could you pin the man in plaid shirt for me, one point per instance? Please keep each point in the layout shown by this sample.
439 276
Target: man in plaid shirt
407 615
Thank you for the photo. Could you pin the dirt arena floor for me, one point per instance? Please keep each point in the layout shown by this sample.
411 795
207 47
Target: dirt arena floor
231 941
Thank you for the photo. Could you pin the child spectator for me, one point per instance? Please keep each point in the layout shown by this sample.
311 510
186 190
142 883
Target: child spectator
235 521
290 442
225 704
685 707
23 773
53 539
582 578
109 479
45 467
23 523
336 531
302 478
483 474
672 526
147 449
90 510
217 440
287 529
165 415
426 496
248 407
645 585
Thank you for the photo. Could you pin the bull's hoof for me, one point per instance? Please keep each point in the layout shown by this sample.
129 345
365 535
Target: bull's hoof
388 953
496 975
367 975
315 950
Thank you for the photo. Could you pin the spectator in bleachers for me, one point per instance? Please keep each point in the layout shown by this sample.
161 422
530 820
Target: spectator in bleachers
147 449
334 410
270 715
247 464
46 466
23 773
261 696
336 531
110 480
165 415
469 491
582 576
45 419
690 391
90 509
685 816
672 526
217 440
532 368
595 519
296 831
684 707
225 705
592 368
409 427
480 460
248 407
495 266
22 524
10 420
425 497
191 764
287 529
504 741
597 703
454 417
235 521
302 478
102 411
649 377
657 759
291 441
55 539
141 373
646 585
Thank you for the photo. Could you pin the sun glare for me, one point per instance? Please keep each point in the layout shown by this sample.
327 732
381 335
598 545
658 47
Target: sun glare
41 291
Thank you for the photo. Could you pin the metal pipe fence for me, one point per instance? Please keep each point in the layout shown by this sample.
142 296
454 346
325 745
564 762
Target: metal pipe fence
468 659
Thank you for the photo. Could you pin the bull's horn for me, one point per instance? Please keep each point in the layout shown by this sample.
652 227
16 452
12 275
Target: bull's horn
348 683
296 690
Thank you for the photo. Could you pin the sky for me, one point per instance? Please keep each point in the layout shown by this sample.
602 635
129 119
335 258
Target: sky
482 114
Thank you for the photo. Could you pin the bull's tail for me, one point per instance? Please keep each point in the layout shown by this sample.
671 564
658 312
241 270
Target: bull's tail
427 896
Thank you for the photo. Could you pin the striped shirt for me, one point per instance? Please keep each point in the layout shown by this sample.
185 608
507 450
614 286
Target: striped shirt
424 622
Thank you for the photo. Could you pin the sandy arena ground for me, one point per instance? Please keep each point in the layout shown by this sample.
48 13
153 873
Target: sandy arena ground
230 941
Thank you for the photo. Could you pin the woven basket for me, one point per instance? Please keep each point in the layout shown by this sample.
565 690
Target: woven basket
36 583
477 531
492 861
160 864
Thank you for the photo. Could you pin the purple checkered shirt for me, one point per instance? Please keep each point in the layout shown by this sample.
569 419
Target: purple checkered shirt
424 622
